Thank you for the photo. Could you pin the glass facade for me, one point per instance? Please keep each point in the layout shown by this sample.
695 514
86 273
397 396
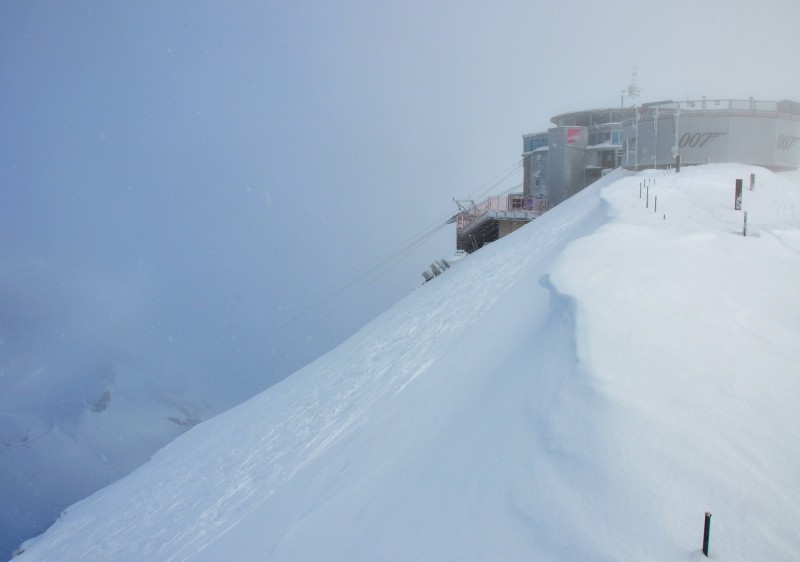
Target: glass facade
605 137
532 142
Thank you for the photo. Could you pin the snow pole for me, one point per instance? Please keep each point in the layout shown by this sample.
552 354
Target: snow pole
706 531
640 190
738 201
647 203
744 231
752 182
655 204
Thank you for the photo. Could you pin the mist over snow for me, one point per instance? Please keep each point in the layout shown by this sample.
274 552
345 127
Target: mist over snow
198 198
584 389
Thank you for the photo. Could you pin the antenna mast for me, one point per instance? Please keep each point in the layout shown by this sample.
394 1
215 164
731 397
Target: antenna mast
634 90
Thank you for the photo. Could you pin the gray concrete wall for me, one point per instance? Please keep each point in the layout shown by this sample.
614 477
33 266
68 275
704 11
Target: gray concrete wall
504 228
746 139
555 166
539 166
575 163
566 163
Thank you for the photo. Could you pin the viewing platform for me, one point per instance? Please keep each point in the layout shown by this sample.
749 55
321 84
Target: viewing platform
481 223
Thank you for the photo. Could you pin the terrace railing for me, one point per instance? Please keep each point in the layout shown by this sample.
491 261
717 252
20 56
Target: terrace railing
749 106
512 206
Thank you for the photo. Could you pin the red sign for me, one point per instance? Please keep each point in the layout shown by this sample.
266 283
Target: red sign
573 135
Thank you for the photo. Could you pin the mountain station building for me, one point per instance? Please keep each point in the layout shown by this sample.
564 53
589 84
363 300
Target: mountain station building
585 145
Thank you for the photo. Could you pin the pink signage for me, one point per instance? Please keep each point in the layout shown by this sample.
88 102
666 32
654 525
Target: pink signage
573 135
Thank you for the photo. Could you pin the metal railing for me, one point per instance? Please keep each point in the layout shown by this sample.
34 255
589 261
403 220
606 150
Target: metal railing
748 106
510 206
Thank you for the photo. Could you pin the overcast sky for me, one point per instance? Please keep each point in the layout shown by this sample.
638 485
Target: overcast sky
180 181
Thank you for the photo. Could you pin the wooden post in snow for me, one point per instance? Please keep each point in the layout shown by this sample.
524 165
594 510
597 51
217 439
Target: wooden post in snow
706 531
738 201
752 182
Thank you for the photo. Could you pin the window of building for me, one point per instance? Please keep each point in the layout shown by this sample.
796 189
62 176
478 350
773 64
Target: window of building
599 137
530 144
608 159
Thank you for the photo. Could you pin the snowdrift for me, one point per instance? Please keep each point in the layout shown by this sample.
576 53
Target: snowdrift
584 389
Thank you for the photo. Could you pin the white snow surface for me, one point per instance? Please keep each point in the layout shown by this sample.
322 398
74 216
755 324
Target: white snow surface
583 389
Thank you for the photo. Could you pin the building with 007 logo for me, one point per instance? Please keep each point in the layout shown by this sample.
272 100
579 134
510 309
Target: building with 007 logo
585 145
761 133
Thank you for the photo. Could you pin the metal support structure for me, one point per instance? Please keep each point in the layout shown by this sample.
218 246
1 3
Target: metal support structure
677 140
738 201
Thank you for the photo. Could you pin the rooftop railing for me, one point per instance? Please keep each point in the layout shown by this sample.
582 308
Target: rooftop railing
788 109
510 206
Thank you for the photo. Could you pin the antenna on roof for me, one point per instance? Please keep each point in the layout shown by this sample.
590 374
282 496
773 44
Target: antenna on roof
634 90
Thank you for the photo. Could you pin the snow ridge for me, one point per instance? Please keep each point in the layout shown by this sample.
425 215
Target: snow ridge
583 389
292 425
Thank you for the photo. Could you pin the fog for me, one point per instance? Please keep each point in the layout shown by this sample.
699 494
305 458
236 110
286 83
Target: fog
215 193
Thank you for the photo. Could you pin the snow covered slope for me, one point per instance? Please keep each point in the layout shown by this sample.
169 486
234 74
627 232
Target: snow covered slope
63 437
584 389
84 397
